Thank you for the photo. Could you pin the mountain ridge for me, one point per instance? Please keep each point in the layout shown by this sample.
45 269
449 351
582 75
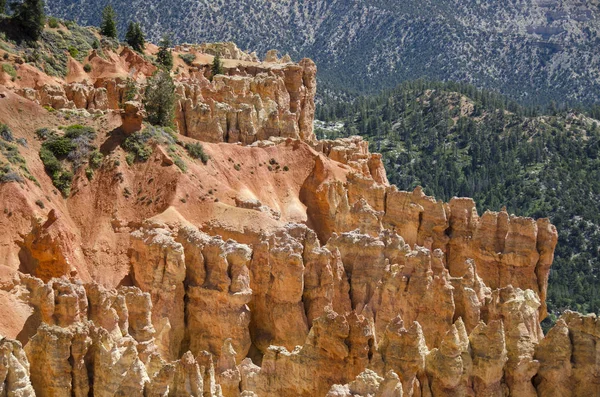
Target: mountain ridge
534 51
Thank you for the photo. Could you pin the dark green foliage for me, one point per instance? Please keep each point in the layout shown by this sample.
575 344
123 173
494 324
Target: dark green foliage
52 22
455 140
195 150
87 68
130 91
188 58
164 56
54 47
95 160
135 37
13 156
108 26
139 144
73 51
2 6
61 177
73 147
9 69
59 146
6 133
30 17
51 163
217 66
159 100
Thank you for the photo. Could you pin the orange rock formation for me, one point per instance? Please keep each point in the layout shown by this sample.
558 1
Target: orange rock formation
285 266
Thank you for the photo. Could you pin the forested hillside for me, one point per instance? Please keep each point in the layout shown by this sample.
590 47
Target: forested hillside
457 141
534 51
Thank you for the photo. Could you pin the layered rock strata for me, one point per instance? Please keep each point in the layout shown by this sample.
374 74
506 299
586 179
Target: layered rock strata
250 105
370 291
292 317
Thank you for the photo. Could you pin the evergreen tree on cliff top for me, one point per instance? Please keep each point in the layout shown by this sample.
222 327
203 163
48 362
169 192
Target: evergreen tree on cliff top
108 27
135 37
164 55
160 99
217 66
30 17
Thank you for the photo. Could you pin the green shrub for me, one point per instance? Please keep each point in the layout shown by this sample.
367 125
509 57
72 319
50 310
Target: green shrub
180 163
63 181
11 152
10 176
130 158
51 163
87 68
96 159
89 173
6 133
44 133
138 144
9 69
53 22
77 131
188 58
59 146
73 51
196 150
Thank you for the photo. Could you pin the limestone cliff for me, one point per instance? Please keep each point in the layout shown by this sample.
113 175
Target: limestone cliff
283 266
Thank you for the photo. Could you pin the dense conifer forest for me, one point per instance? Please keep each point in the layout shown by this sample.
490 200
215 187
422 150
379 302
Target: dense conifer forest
455 140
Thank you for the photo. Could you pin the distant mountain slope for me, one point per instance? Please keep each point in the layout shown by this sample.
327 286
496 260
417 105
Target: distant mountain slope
534 50
456 141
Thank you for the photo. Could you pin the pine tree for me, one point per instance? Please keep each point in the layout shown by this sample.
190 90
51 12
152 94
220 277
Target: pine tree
164 56
135 37
30 17
2 6
217 66
160 99
108 27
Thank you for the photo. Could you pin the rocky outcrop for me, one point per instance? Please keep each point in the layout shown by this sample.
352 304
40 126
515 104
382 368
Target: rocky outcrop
506 249
132 117
368 383
227 50
14 370
376 292
276 102
47 250
104 349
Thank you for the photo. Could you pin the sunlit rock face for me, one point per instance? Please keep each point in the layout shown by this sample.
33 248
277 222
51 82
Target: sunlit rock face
284 266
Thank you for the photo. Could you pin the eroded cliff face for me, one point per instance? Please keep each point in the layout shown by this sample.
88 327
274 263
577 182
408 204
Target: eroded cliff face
252 104
251 101
285 266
